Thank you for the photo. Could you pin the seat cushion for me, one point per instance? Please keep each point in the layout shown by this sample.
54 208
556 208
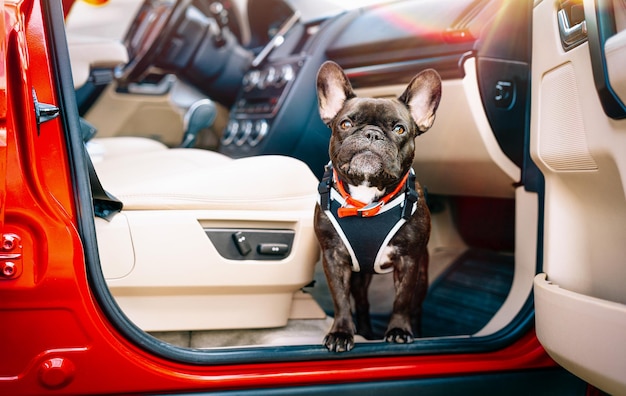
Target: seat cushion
183 179
104 149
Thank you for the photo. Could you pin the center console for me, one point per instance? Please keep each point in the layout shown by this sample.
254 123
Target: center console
263 92
275 111
264 89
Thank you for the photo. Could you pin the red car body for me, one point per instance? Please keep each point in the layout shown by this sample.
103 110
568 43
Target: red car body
55 336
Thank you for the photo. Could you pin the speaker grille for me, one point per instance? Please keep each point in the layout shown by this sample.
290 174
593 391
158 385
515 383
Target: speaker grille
562 136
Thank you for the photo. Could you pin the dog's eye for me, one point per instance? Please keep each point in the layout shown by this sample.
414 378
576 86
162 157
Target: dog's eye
345 124
399 129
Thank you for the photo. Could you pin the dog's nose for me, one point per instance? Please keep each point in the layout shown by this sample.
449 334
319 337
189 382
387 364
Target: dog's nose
374 134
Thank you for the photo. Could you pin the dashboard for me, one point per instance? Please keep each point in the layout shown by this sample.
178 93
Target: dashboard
259 59
381 45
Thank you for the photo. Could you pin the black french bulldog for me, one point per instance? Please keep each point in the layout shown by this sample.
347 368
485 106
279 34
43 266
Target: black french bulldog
372 215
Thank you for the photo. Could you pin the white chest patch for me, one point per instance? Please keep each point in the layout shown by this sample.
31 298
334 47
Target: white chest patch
365 193
383 261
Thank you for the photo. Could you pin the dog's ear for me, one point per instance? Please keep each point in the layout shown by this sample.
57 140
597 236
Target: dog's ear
422 98
333 89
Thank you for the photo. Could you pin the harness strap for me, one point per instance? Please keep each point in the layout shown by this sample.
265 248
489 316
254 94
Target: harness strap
324 187
384 219
410 196
362 209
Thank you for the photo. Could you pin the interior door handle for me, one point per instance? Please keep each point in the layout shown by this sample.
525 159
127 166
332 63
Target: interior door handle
571 35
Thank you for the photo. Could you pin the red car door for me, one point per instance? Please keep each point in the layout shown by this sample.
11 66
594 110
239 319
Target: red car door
63 334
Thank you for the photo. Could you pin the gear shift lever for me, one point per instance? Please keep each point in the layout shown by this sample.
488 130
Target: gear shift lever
200 115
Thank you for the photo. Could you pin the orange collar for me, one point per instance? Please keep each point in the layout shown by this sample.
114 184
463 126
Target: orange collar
362 209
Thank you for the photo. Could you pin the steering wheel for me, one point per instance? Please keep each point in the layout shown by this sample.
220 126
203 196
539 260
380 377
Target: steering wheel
153 27
176 36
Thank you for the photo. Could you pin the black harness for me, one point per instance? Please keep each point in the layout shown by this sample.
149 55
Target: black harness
366 235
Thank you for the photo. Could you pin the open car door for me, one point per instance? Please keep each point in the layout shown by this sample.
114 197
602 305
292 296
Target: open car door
578 140
3 115
3 130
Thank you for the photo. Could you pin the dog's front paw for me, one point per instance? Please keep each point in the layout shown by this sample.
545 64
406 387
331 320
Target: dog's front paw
339 342
399 336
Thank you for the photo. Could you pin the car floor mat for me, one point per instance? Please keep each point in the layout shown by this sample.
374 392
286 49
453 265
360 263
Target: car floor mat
465 297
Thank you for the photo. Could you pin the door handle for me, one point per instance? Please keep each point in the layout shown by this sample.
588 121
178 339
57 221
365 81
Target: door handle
571 35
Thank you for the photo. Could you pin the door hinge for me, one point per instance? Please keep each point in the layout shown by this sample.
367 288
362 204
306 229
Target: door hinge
44 111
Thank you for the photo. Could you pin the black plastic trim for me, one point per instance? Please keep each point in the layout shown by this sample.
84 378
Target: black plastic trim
548 382
503 57
249 244
507 119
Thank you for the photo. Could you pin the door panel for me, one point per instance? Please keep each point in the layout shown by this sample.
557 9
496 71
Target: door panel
581 299
589 340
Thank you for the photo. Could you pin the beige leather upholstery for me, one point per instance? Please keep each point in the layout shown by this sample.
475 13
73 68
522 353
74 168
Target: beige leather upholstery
200 179
104 149
160 265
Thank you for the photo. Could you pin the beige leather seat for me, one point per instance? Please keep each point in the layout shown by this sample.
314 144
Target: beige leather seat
159 262
104 149
156 255
190 179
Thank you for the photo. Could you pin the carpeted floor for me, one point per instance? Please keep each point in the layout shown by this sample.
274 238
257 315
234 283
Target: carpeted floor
460 300
468 294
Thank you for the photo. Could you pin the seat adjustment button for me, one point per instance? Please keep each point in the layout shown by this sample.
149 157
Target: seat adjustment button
241 241
277 249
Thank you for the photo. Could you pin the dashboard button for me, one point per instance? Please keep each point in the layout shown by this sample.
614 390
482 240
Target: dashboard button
261 127
231 131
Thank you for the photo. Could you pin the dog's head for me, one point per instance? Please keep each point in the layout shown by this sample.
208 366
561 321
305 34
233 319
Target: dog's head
372 139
